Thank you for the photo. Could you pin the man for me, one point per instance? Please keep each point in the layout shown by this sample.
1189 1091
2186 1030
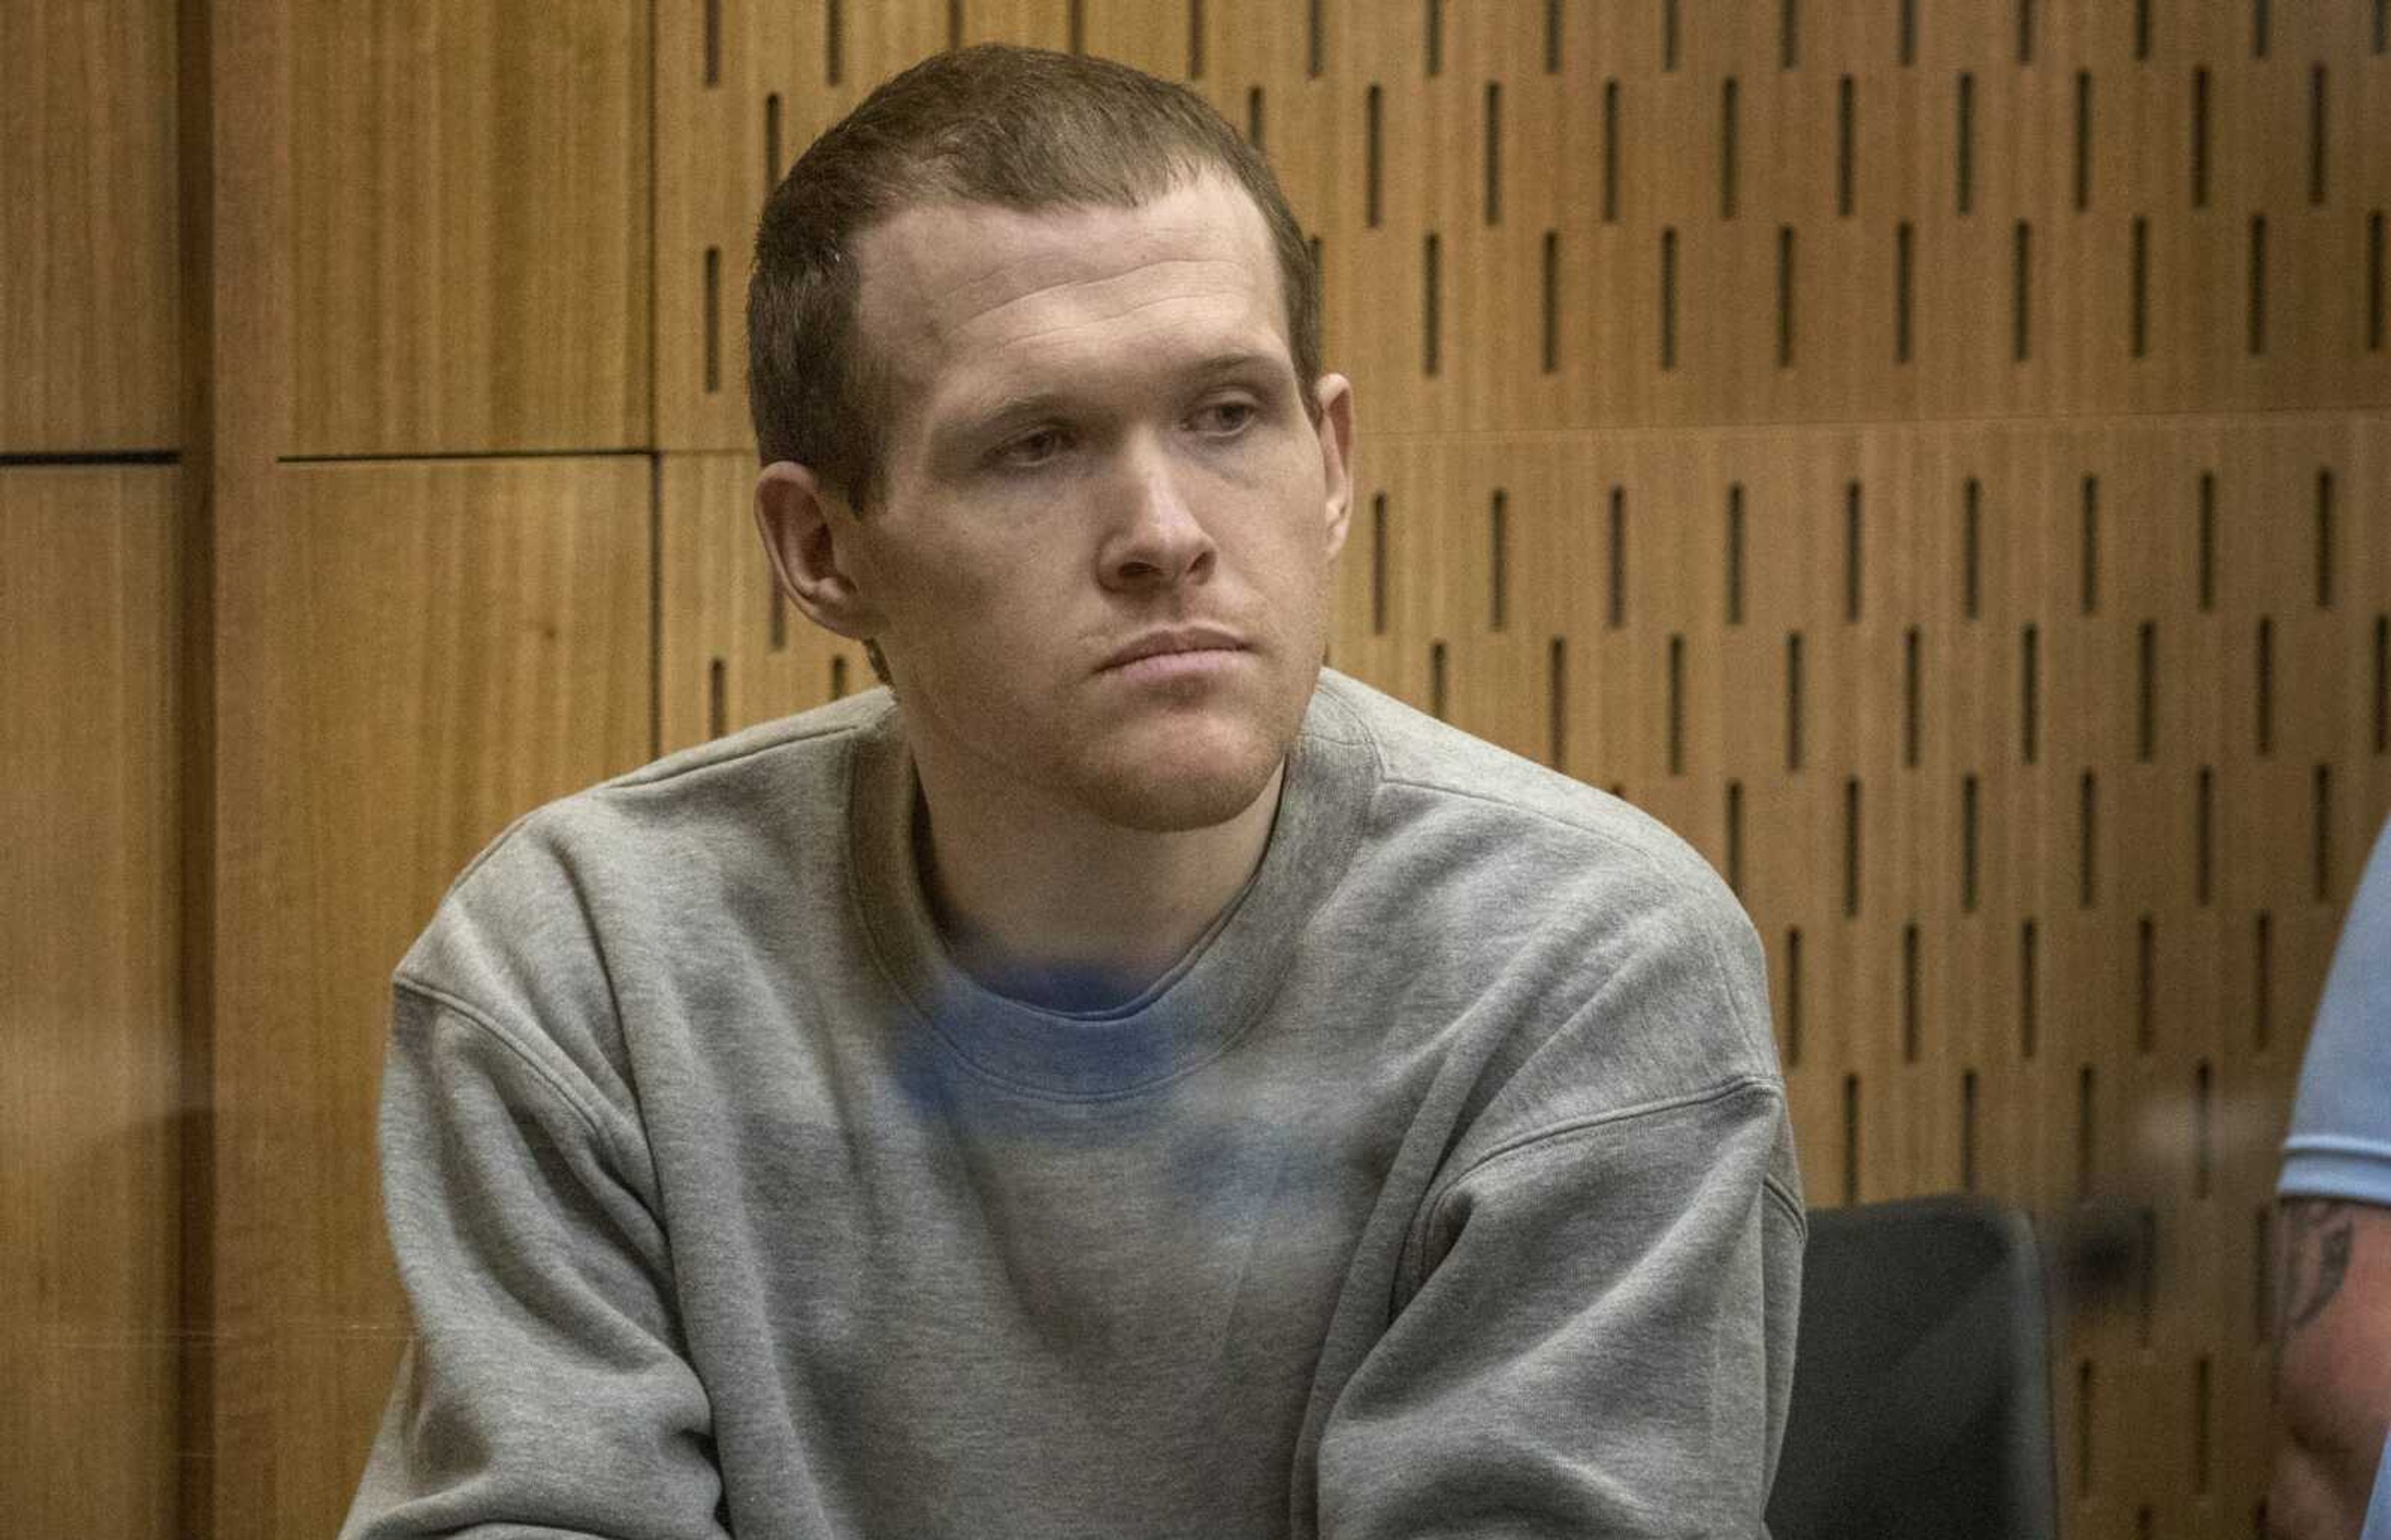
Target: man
1118 1080
2333 1337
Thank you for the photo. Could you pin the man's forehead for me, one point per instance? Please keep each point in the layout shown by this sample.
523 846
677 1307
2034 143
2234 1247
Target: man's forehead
950 274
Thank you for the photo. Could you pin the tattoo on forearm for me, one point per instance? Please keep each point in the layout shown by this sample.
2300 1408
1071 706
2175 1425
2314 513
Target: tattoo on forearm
2316 1259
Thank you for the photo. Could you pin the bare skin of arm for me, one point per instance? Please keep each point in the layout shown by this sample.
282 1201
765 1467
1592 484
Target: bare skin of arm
2332 1366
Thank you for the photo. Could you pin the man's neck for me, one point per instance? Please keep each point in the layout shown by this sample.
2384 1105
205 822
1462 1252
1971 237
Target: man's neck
1050 905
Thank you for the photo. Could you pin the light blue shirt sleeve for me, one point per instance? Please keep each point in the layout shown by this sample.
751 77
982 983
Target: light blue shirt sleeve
2340 1143
2378 1512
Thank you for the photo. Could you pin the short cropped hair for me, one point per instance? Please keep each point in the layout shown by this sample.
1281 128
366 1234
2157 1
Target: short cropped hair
1019 128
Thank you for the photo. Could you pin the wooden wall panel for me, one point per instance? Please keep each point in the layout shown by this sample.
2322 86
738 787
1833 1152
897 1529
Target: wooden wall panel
90 1101
468 226
422 651
88 244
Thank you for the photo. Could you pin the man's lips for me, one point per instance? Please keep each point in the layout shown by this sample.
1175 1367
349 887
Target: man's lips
1171 639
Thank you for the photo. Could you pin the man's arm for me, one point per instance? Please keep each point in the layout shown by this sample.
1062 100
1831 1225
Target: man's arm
546 1389
1601 1341
2332 1366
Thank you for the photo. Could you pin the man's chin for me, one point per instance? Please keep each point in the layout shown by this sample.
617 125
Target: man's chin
1178 786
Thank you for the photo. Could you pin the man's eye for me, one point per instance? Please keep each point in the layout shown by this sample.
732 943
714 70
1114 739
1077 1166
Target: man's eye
1031 449
1226 417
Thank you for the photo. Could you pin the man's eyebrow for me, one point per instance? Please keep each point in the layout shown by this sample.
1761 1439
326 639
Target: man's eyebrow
1004 411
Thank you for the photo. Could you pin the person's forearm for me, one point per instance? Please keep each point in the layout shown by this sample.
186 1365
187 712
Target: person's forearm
2332 1367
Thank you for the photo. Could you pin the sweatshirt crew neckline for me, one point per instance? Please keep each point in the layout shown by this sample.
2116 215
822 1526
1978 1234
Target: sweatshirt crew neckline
1187 1016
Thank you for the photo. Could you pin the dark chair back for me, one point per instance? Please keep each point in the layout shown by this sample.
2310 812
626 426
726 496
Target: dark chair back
1921 1384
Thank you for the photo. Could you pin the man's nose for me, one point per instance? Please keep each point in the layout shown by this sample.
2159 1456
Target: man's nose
1156 538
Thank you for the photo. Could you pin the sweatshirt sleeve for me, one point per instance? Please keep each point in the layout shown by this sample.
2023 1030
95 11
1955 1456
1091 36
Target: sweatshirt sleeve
545 1392
1601 1338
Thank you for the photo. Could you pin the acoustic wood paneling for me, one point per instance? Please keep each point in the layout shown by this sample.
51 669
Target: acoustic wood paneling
88 246
468 226
411 655
1930 453
89 1098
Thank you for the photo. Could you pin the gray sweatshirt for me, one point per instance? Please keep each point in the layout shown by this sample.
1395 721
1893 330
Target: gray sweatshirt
1444 1188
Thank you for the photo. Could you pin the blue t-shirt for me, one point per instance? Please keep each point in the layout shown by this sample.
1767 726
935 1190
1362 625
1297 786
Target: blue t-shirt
2340 1143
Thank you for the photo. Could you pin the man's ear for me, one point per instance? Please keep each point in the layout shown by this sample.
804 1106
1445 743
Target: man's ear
809 536
1335 394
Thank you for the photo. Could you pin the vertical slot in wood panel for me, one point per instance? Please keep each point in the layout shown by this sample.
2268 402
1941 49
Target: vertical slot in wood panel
2139 289
1431 304
1498 537
2381 684
2381 25
2083 1426
1668 298
1557 704
1967 1131
1965 171
2141 29
1793 999
2030 693
713 43
1254 126
1432 37
2260 31
2324 490
1785 296
2263 699
1846 125
1912 687
1195 39
1734 837
1968 838
2261 973
2146 693
2022 294
1727 147
718 708
777 628
2258 299
2088 864
1793 701
1552 37
2207 557
1075 26
2088 599
2083 139
771 143
2316 134
1493 153
1316 44
2200 138
2320 808
834 42
1677 705
1618 557
1905 286
2204 837
1551 289
1909 1026
712 319
1971 566
954 25
2029 988
1611 152
1378 564
1788 35
838 686
2204 1124
1734 585
1372 149
1668 36
1436 681
1907 52
2024 32
1851 846
2374 285
1851 1139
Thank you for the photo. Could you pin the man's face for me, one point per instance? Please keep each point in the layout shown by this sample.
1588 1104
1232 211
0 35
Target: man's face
1099 447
